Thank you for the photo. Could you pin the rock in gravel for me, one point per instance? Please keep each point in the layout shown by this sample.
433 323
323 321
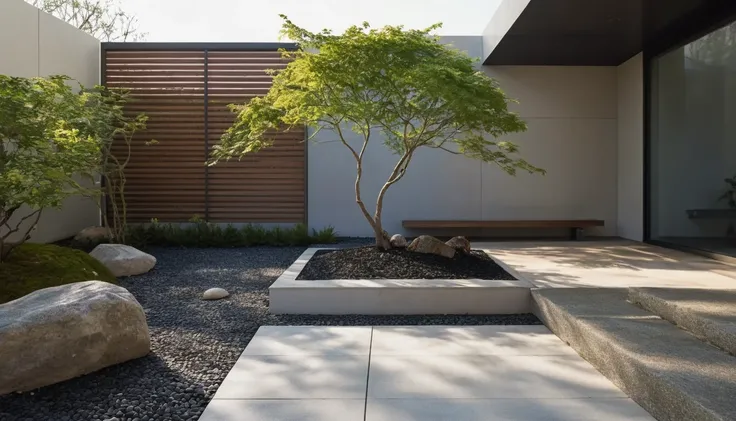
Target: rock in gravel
430 245
398 241
123 260
55 334
93 234
191 338
215 294
460 244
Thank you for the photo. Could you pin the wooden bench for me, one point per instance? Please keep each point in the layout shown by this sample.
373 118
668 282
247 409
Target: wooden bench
576 226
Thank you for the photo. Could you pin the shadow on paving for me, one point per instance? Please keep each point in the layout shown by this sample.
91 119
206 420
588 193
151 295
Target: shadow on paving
194 343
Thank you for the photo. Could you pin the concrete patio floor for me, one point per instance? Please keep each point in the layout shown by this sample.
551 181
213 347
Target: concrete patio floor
608 264
415 373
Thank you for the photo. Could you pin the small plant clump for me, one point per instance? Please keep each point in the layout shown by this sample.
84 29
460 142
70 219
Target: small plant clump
730 194
200 233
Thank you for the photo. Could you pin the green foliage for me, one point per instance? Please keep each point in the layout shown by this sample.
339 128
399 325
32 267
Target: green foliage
403 85
46 148
324 236
416 91
31 267
730 194
199 233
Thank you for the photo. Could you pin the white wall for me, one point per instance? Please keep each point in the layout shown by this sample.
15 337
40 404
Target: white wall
33 43
572 117
631 149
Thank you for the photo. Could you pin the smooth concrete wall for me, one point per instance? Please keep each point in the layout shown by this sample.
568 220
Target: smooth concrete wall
34 43
572 117
631 149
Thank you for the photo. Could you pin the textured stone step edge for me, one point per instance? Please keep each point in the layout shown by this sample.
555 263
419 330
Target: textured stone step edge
721 335
663 399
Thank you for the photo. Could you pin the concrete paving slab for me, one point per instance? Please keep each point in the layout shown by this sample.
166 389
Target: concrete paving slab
310 340
285 410
467 340
608 264
486 376
319 384
664 369
621 409
296 377
708 314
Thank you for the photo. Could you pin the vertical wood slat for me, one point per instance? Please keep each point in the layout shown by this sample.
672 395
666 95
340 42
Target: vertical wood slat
185 94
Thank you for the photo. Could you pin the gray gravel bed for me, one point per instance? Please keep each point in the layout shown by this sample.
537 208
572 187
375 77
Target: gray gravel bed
194 343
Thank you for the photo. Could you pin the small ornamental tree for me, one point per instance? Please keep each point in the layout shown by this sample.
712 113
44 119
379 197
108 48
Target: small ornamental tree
399 87
114 129
45 151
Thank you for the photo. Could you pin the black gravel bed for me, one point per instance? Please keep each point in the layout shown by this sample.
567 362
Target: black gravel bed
372 263
194 343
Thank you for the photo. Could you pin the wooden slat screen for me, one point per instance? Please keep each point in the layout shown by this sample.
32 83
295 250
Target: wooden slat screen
185 95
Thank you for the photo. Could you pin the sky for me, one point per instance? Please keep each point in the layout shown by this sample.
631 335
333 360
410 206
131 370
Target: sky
258 20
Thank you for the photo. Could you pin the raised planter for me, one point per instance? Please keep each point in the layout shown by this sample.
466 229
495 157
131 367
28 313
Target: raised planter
395 296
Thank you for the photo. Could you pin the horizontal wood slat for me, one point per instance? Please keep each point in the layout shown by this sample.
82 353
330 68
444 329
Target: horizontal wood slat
186 102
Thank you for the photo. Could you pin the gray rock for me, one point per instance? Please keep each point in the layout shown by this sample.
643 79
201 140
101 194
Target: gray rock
460 244
398 241
63 332
93 234
430 245
215 294
123 260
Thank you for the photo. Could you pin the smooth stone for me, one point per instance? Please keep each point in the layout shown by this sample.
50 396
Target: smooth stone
398 241
123 260
215 294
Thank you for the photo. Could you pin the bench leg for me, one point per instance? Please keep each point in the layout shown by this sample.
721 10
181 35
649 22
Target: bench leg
577 234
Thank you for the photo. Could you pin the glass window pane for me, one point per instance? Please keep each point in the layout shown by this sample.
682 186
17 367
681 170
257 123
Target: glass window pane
693 144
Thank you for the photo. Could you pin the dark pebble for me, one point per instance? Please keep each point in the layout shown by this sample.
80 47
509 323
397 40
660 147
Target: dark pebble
194 343
372 263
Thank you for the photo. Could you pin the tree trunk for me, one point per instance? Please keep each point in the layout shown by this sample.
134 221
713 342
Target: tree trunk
382 242
4 251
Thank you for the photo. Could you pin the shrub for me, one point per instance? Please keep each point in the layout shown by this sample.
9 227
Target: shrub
205 234
45 148
30 267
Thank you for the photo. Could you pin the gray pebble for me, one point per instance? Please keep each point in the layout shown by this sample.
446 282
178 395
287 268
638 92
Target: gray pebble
194 344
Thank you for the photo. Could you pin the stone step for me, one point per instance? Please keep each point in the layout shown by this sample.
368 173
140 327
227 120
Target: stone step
666 370
708 314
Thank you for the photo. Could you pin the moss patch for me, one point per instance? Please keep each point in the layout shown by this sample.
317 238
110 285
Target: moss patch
31 267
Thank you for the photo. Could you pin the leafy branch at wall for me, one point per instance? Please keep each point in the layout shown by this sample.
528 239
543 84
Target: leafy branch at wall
103 19
46 154
54 141
399 87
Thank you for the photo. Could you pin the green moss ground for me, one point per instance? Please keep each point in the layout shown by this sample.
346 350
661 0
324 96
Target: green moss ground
31 267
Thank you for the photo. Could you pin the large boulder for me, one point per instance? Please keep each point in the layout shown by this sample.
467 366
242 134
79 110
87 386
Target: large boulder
398 241
460 244
55 334
430 245
123 260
